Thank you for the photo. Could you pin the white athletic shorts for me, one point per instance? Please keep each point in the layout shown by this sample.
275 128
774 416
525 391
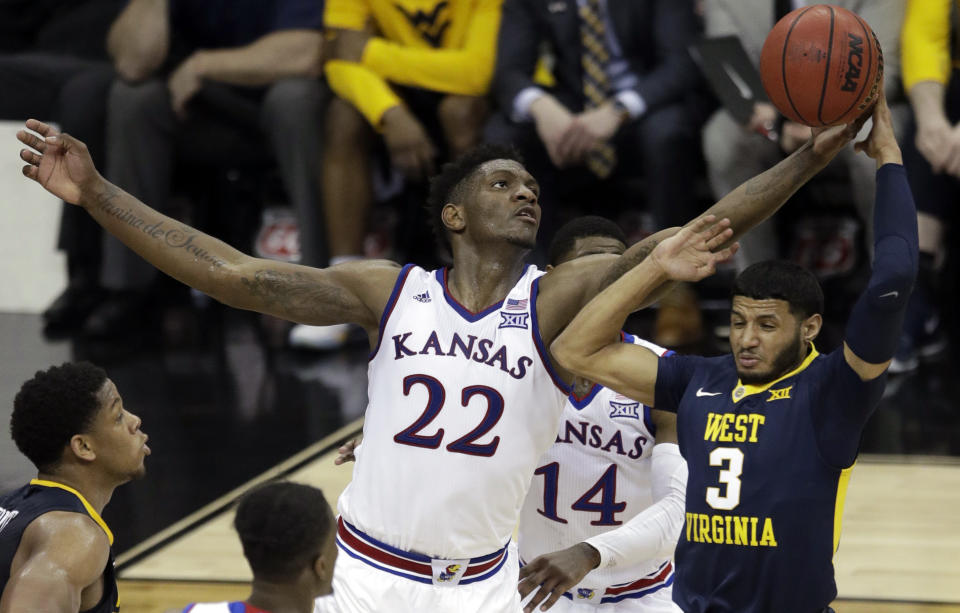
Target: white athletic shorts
360 588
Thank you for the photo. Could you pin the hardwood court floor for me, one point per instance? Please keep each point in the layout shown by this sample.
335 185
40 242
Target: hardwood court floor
161 596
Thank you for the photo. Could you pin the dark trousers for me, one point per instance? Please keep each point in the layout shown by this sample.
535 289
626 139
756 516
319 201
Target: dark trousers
225 126
71 92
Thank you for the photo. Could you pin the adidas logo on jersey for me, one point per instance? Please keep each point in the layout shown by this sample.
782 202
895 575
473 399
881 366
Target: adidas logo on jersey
424 297
623 409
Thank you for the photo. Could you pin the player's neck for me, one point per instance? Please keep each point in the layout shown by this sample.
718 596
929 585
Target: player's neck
97 494
478 280
280 597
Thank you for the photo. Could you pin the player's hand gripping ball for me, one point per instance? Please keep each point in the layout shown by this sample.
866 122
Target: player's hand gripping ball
822 66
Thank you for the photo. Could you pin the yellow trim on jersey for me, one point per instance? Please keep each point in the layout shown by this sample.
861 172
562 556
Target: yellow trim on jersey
741 391
93 512
838 509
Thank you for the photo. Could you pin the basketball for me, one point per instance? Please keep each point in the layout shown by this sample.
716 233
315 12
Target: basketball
822 65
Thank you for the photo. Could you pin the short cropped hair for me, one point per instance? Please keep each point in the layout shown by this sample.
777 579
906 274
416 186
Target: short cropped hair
449 185
581 227
783 281
52 407
282 527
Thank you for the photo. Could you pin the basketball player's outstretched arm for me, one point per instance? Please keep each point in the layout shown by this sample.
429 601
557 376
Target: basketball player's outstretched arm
590 346
350 293
571 285
67 554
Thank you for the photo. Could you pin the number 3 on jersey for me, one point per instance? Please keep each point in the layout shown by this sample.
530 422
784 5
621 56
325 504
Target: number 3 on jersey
435 399
729 476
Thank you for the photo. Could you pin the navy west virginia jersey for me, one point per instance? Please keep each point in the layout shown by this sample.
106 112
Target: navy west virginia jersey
21 506
769 466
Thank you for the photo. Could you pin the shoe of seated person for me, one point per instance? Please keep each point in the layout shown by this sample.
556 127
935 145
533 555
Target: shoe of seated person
119 314
318 338
67 313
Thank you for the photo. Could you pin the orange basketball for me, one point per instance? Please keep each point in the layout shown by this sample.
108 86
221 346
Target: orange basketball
822 65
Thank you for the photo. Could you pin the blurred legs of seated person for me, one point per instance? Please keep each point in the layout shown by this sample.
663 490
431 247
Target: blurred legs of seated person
936 195
73 93
144 135
416 135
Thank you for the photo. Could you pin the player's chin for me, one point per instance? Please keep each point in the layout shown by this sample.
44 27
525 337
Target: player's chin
525 240
753 375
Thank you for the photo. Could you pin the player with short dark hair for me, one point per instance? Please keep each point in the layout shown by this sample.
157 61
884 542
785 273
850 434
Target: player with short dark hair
287 532
55 549
771 431
464 396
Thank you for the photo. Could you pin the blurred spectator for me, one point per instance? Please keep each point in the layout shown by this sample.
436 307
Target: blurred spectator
735 152
618 107
417 73
53 66
199 78
931 154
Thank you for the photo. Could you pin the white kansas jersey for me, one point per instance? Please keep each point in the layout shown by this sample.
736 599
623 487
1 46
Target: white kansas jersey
461 406
594 478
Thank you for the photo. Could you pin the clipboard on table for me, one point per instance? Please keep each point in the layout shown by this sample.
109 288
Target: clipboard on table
732 76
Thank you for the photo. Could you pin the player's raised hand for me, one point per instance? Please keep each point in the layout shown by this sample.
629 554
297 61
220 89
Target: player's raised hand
694 252
828 142
881 143
345 452
552 574
58 162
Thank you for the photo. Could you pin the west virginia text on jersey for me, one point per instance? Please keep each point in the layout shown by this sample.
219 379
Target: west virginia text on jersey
763 505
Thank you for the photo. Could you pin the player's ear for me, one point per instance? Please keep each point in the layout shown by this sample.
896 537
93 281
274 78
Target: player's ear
452 216
81 447
810 328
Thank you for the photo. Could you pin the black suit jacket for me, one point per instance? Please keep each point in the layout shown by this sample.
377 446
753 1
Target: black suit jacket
654 36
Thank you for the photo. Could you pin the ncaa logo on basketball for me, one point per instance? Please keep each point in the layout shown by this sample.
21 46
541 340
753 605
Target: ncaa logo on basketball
854 63
513 320
627 410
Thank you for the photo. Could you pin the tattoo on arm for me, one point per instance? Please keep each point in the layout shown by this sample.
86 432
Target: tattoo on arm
298 292
182 237
628 260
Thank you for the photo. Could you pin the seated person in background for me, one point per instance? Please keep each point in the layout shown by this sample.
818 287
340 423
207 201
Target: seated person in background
931 152
53 64
167 52
55 549
620 106
420 83
287 532
734 152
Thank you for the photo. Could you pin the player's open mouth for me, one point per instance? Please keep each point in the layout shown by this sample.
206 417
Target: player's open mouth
527 213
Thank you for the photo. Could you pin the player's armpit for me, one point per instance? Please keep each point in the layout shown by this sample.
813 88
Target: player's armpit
65 553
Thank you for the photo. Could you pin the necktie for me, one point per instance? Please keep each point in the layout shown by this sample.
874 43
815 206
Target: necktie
596 83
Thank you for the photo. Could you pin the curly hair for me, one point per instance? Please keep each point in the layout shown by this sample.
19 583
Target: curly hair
52 407
781 280
581 227
451 183
282 526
